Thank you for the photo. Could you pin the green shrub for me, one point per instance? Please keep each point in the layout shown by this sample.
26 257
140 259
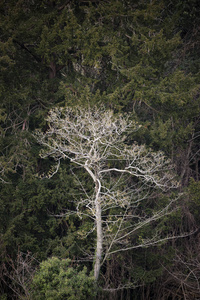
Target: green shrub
57 279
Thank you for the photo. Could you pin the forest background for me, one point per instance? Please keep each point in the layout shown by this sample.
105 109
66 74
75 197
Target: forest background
139 58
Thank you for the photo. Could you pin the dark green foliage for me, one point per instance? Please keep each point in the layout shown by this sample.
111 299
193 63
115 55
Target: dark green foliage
28 209
141 58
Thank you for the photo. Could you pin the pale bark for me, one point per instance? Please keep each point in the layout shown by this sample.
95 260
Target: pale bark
99 242
123 175
99 238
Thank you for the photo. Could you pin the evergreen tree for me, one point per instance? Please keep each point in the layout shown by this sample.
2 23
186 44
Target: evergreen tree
140 57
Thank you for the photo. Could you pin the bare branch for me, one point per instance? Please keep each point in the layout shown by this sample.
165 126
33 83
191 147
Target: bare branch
123 176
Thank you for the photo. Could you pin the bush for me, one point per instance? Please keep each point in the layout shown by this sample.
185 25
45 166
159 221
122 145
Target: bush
56 279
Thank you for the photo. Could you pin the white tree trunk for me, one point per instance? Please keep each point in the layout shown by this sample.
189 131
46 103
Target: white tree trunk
99 241
99 248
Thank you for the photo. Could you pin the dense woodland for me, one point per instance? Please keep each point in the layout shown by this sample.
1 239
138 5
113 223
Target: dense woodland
135 58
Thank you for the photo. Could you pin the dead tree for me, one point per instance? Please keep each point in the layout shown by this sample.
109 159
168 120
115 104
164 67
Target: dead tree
123 175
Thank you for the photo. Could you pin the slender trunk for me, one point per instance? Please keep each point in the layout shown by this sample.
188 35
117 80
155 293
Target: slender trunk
99 247
99 242
52 70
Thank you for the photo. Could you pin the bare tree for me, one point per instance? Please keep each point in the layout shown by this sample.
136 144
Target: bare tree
123 175
18 274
